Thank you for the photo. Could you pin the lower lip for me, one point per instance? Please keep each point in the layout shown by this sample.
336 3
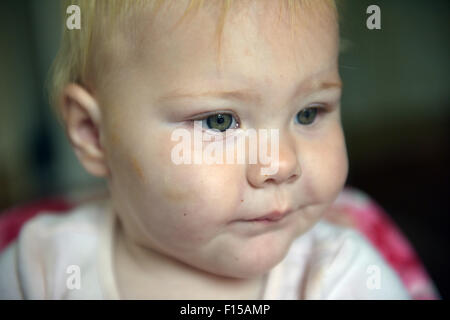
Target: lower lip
262 225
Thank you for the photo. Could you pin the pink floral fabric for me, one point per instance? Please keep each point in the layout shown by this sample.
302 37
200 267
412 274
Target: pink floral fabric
353 208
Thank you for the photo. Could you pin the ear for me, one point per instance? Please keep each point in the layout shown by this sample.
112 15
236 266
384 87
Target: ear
82 117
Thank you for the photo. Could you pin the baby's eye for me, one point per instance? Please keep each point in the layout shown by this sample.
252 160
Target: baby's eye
220 121
307 115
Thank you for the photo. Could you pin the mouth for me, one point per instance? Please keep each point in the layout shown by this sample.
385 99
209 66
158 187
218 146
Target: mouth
271 217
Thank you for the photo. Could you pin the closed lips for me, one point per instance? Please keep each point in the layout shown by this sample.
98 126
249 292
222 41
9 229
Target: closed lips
272 216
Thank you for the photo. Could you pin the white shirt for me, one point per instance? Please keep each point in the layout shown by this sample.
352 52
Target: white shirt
69 256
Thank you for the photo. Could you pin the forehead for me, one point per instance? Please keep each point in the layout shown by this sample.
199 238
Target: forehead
258 43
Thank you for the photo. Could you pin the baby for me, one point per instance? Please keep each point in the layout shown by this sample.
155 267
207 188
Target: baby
137 73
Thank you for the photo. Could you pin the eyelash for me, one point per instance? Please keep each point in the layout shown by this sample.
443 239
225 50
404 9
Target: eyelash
321 109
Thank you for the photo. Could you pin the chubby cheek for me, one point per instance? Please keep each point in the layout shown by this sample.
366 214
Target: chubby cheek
324 171
202 199
329 165
176 206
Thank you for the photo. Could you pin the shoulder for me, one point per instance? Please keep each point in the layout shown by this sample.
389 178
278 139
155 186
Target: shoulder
83 220
342 264
49 246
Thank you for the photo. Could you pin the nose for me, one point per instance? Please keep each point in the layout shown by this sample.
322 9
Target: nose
287 164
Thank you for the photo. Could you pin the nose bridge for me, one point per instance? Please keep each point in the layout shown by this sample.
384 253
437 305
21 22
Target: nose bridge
280 164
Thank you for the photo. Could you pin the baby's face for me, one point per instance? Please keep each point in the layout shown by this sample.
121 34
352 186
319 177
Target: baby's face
197 213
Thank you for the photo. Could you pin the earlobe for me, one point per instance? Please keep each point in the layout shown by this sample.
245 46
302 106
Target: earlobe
82 117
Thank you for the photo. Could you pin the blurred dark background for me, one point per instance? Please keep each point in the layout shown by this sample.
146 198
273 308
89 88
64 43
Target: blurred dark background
396 112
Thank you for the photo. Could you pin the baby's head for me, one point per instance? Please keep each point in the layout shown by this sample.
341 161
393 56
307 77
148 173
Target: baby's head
135 72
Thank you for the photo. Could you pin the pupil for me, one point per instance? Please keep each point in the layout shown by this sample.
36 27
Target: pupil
220 122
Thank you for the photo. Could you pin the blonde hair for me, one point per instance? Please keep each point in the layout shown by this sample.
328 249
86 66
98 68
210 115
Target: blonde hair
81 55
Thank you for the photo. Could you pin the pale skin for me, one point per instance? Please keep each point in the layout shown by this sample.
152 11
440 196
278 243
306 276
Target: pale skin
181 232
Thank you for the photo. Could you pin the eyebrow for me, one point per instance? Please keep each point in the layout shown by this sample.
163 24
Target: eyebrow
246 94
